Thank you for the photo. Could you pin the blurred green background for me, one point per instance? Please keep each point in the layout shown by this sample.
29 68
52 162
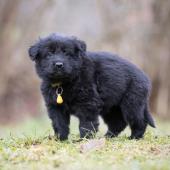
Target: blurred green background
136 30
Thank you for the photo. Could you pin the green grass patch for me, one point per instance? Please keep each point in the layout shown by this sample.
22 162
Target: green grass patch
31 146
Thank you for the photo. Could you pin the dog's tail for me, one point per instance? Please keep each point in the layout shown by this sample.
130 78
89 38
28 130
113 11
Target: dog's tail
148 117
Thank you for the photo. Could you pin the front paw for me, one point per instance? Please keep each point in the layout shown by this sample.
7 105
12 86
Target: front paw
110 134
87 134
61 137
135 137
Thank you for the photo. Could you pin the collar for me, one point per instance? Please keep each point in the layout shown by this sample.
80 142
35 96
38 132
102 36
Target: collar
56 84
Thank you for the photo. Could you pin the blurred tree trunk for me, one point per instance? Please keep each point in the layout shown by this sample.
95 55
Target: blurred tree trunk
160 39
8 14
147 22
19 95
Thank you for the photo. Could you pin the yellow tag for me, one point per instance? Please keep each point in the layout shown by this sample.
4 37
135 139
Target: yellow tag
59 99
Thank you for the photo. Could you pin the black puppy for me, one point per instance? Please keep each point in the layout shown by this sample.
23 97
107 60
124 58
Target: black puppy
89 84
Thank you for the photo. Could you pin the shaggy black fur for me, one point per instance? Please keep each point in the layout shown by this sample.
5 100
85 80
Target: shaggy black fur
93 83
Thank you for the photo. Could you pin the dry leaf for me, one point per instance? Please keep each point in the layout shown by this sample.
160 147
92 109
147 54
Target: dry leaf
93 144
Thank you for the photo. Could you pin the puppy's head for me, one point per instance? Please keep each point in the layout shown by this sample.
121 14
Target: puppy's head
57 57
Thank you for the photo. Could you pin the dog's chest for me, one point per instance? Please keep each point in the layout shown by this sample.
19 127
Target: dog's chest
76 99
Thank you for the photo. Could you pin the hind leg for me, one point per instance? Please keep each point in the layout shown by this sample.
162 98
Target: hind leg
138 130
115 122
133 111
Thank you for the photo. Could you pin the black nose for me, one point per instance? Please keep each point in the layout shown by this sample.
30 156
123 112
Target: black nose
58 64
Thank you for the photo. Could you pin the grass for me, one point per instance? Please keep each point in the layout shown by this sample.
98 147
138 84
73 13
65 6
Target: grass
32 146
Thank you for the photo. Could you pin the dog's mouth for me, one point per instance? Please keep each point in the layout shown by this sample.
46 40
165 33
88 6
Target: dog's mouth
59 76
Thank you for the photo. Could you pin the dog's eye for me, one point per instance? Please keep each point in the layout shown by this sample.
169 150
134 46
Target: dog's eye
65 52
68 52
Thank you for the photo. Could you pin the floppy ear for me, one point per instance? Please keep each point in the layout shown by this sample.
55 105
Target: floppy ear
81 45
34 52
